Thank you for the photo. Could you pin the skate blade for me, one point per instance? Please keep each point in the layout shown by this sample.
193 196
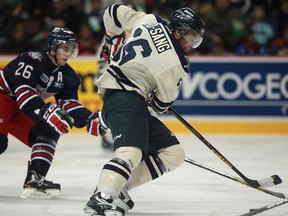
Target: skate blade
120 204
90 212
112 212
34 193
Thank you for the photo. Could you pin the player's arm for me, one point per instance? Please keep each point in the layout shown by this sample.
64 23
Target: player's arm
76 110
118 21
28 101
119 18
168 84
25 71
82 116
33 106
67 100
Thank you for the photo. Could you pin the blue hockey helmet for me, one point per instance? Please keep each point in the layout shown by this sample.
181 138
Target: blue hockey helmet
60 36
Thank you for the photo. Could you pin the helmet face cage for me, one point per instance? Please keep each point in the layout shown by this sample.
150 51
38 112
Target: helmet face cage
185 20
60 36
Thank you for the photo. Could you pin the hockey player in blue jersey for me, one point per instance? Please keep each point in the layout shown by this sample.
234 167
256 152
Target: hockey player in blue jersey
25 83
146 71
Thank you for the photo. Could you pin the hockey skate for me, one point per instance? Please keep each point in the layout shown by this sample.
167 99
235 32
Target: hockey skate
35 185
101 204
124 202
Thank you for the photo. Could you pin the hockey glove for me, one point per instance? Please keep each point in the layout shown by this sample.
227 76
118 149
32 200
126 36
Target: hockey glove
95 125
56 118
111 46
105 53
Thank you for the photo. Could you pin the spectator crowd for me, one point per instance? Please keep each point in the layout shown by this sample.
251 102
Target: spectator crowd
233 27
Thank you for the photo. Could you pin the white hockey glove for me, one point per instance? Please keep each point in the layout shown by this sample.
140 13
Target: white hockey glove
95 125
56 118
111 46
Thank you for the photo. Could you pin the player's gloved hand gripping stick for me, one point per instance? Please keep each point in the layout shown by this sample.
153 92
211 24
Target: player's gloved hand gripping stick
56 118
96 125
111 46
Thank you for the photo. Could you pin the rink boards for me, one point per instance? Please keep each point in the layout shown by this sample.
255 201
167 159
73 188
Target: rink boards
231 95
235 95
229 125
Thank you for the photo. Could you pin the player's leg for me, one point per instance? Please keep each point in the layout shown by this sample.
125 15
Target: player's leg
128 120
7 110
112 180
164 155
43 140
154 166
3 143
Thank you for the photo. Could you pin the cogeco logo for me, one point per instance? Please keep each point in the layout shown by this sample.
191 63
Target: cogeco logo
231 86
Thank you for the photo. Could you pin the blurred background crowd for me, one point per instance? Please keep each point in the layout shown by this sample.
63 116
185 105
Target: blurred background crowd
233 27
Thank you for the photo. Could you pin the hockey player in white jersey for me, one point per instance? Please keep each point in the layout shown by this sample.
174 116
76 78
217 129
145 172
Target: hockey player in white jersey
146 71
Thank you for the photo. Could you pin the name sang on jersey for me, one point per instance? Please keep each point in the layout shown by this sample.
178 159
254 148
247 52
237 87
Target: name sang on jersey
158 37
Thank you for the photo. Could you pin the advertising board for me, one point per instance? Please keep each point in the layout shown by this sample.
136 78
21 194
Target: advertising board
219 95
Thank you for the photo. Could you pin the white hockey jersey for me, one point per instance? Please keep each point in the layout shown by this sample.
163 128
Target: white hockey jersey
151 62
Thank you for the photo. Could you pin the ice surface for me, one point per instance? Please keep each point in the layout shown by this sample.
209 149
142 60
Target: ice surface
189 191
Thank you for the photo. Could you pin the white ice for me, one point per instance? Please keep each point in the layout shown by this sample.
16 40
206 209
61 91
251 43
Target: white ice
189 191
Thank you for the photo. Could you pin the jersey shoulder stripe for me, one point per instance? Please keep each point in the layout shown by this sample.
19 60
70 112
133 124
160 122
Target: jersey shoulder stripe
113 14
69 104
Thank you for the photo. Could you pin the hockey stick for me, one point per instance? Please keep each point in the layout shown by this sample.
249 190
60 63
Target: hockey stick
236 179
265 208
273 180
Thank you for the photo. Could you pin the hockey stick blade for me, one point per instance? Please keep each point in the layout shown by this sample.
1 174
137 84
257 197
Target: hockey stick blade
270 181
236 179
267 182
265 208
